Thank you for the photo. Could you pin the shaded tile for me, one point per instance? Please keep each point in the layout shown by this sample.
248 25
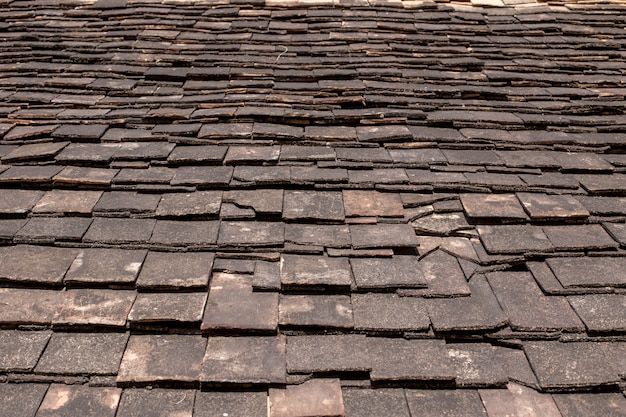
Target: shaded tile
383 133
333 236
105 266
67 201
327 353
389 313
472 157
378 176
306 153
87 152
598 184
499 207
51 229
375 402
528 308
601 312
202 176
150 175
197 155
126 203
372 203
234 404
579 237
589 271
576 364
330 133
21 400
226 131
581 161
591 404
46 265
172 270
244 360
152 359
238 155
180 308
156 403
76 400
15 202
266 276
443 275
313 205
26 306
99 307
233 306
382 236
514 239
517 399
435 403
119 231
479 311
419 360
422 157
617 232
317 397
261 201
83 353
20 350
607 206
253 234
315 272
328 311
308 175
378 273
185 233
549 207
201 204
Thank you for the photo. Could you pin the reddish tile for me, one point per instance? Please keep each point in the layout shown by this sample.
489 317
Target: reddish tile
76 400
317 397
91 307
372 203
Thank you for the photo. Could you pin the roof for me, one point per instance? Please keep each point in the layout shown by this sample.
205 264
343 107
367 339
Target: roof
217 208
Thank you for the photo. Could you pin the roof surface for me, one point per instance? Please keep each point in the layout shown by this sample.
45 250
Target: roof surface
309 209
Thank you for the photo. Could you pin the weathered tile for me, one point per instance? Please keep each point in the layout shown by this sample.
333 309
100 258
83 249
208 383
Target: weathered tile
51 229
503 403
372 203
607 206
20 350
422 157
389 313
551 207
382 236
76 400
479 311
253 234
579 237
375 402
263 175
378 176
208 154
443 224
591 404
222 131
26 306
311 175
418 360
83 176
237 155
172 270
66 201
83 353
34 152
589 271
41 264
443 275
472 157
321 311
600 184
201 204
330 133
29 132
120 231
617 232
261 201
156 402
478 365
84 132
91 307
317 397
126 203
313 205
581 162
21 400
401 271
266 276
145 151
185 233
202 176
383 133
218 403
315 272
233 306
154 359
327 353
514 239
494 207
105 266
576 364
306 153
179 308
150 175
333 236
18 202
87 152
601 312
528 308
244 360
435 403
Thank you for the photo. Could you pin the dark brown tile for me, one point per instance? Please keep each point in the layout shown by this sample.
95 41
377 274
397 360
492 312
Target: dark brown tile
389 313
434 403
41 264
21 400
218 403
156 402
21 350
